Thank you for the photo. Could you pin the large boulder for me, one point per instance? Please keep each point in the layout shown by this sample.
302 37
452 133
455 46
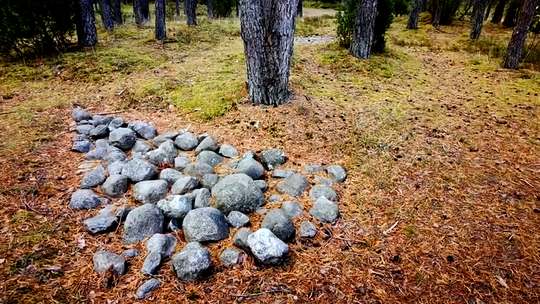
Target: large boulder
192 262
142 222
93 178
205 224
267 247
186 141
293 185
198 170
122 138
150 191
161 243
138 170
324 210
250 167
207 144
279 223
237 192
322 190
210 158
185 185
104 260
337 173
176 206
143 129
84 199
272 158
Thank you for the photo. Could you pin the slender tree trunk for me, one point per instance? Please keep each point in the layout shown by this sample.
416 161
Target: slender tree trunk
237 8
412 24
161 31
438 13
268 34
519 35
499 12
177 10
190 6
478 18
362 37
141 10
488 10
210 9
87 33
118 12
145 9
106 15
511 13
300 9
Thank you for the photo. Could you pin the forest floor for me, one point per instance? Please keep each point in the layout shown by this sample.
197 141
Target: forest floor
434 135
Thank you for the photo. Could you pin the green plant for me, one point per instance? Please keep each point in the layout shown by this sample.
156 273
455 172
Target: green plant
345 19
385 16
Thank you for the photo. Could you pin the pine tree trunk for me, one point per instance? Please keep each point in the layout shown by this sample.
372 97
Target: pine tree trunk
438 13
237 8
499 11
478 18
300 9
161 31
177 10
87 34
210 9
190 7
268 34
118 13
488 10
362 37
106 15
145 9
412 24
511 13
519 35
141 10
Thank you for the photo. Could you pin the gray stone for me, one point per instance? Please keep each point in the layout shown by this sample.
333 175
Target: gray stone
186 142
131 253
279 223
176 206
84 199
115 185
165 154
198 170
202 198
122 138
147 288
237 192
292 209
208 144
150 191
93 178
231 257
98 120
170 176
324 210
237 219
104 260
209 157
322 190
122 212
337 173
175 225
233 164
96 154
143 129
240 238
192 262
117 122
250 167
313 168
248 154
84 129
274 198
163 244
151 263
116 167
80 137
208 181
82 146
228 151
102 143
261 184
100 223
181 162
279 173
86 122
142 222
266 247
260 210
113 155
139 170
202 137
205 224
80 115
100 131
185 185
157 141
141 147
272 158
324 181
293 185
307 230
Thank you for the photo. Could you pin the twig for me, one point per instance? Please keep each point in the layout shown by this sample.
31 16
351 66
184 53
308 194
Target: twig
391 228
350 240
8 112
255 294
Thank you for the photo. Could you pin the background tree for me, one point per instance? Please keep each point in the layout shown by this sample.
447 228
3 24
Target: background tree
499 11
511 13
222 8
177 16
362 37
210 9
478 18
519 35
412 23
383 20
190 8
161 30
488 9
106 15
87 34
438 13
268 33
300 9
118 12
141 10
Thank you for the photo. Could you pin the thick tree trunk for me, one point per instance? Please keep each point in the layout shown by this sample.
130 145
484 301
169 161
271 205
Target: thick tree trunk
161 31
300 9
362 37
412 24
268 34
177 17
145 8
87 34
499 11
118 13
488 10
478 18
210 9
519 35
190 6
106 15
438 13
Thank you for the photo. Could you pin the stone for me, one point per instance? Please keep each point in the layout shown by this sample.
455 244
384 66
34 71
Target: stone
142 222
198 170
237 219
79 137
163 244
202 198
261 184
93 178
237 192
274 198
250 167
324 210
337 173
131 253
208 181
313 169
79 115
324 181
192 262
98 120
162 155
240 239
116 167
233 164
147 288
151 263
122 212
150 191
279 173
228 151
169 135
248 154
86 122
181 162
84 199
122 138
293 185
175 225
100 131
307 230
104 260
117 122
272 158
260 210
210 158
96 154
292 209
279 223
100 223
267 247
138 170
201 137
322 190
184 185
113 155
143 129
102 143
141 147
186 142
207 144
82 146
231 257
205 224
176 206
170 176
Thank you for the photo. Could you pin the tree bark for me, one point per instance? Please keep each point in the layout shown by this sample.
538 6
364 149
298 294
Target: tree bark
237 8
177 10
488 10
190 7
87 34
118 12
499 12
412 24
106 15
141 10
511 13
161 30
210 9
478 18
362 37
519 35
300 9
438 13
268 33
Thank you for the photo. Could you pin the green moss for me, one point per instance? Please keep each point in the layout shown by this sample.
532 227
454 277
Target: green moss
23 216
